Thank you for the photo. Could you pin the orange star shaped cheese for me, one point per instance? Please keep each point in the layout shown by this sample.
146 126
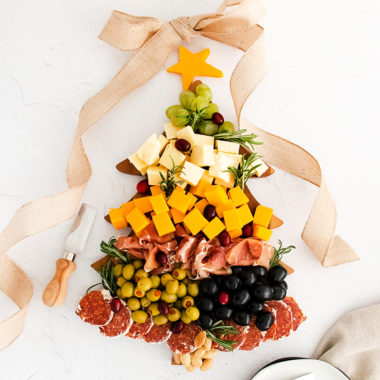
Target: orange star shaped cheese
193 64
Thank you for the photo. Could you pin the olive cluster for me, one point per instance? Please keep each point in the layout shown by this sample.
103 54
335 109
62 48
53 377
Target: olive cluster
166 297
241 295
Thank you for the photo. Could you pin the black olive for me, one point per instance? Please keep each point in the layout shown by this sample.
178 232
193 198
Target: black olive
218 280
208 286
204 304
277 273
242 318
205 321
237 270
223 312
241 298
262 292
279 292
264 320
281 283
232 282
254 307
248 278
259 271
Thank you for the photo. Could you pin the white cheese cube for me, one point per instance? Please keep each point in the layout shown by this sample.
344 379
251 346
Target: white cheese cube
171 156
171 130
230 159
140 165
187 134
229 184
222 162
261 169
227 147
202 155
203 140
163 142
153 173
149 152
191 173
207 177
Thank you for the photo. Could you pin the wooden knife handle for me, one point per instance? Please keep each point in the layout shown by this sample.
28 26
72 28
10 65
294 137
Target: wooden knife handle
55 292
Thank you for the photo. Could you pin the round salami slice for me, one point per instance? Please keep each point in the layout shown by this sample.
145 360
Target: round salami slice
283 319
253 338
296 312
95 308
239 338
271 332
120 324
158 334
183 342
138 330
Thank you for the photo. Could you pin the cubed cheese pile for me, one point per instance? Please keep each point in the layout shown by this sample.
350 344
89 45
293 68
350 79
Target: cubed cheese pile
158 155
231 205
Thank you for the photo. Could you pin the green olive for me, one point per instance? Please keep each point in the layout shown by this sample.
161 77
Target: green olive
118 270
192 313
128 271
179 273
193 289
127 290
160 320
153 309
155 281
133 303
138 293
187 301
144 284
168 298
174 314
181 292
140 273
184 318
120 281
186 280
137 264
153 295
178 304
145 302
118 293
139 316
165 278
172 286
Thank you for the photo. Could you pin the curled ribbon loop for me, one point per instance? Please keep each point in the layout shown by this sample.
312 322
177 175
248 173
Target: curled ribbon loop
235 23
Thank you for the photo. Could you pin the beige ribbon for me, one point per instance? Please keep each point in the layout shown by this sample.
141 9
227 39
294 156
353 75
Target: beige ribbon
235 23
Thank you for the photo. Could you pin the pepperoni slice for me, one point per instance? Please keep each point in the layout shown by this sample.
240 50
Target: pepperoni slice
296 312
239 338
95 308
283 319
271 332
253 338
120 324
158 334
183 342
138 330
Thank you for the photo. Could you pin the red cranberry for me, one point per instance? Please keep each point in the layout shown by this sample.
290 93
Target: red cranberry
177 327
163 307
217 118
182 145
225 238
209 212
115 305
161 258
223 298
143 186
247 230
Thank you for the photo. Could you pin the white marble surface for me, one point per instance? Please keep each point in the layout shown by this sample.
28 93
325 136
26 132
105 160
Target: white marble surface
322 92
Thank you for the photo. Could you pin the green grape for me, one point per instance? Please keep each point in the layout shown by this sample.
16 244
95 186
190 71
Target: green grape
204 91
209 111
186 98
170 110
199 104
180 117
226 127
208 128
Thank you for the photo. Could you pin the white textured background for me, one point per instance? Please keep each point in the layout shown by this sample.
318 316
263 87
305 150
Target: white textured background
322 92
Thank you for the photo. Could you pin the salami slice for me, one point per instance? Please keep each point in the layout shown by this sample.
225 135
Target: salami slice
271 332
158 334
296 312
138 330
253 338
120 324
239 338
95 308
183 342
283 319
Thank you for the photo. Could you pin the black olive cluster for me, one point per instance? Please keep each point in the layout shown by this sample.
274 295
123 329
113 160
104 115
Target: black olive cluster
241 295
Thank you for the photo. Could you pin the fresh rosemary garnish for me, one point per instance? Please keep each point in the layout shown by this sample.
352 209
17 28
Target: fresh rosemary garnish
110 250
247 141
169 183
279 252
245 170
218 329
108 277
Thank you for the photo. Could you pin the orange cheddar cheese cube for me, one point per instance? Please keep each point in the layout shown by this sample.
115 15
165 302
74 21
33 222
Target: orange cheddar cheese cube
163 224
193 201
195 221
245 214
207 177
179 200
177 216
216 195
200 205
155 190
232 219
127 207
117 218
235 233
261 232
262 216
214 228
238 197
159 204
137 220
221 208
200 189
143 204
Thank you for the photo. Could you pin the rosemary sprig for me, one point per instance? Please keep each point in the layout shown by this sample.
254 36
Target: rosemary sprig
110 250
247 141
218 329
245 169
108 277
169 183
279 252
